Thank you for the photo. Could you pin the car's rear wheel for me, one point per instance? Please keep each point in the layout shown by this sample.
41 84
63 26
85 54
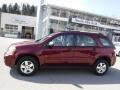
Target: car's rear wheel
119 54
27 66
100 67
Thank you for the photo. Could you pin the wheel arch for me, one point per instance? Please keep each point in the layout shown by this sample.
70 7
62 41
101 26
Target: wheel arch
106 58
24 55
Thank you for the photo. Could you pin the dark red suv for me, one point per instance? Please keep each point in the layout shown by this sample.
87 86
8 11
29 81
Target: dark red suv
71 48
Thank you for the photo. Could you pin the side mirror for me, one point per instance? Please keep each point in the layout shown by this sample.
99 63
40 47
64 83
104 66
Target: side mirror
50 44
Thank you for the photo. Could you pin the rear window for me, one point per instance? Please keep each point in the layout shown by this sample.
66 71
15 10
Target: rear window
105 42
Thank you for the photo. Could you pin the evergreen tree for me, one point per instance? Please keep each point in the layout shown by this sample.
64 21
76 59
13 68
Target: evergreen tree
35 10
16 9
24 9
4 8
10 9
32 11
28 10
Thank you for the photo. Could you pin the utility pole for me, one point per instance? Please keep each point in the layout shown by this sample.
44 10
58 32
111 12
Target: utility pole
39 30
0 24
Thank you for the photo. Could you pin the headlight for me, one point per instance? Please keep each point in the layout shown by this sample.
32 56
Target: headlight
10 50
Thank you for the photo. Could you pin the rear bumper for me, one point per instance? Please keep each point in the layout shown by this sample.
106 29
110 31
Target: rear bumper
117 51
113 60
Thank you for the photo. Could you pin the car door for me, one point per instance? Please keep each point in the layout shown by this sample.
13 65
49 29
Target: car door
59 52
85 50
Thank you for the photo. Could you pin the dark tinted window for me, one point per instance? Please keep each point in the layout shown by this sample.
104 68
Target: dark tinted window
84 40
105 42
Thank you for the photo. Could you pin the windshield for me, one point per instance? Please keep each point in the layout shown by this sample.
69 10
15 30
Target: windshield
44 38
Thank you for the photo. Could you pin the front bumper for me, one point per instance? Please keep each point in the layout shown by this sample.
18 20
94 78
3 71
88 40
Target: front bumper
9 60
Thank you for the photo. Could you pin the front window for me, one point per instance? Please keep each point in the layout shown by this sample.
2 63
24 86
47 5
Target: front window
63 40
45 38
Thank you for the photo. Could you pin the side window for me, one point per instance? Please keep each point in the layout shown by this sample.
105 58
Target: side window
118 38
84 40
105 42
115 39
63 40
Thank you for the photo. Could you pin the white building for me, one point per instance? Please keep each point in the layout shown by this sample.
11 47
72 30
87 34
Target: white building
55 18
13 25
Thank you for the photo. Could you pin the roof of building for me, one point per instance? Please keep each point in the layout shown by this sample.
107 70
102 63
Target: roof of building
85 12
17 15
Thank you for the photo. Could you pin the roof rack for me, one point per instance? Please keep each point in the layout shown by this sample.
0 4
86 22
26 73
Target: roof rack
81 31
84 32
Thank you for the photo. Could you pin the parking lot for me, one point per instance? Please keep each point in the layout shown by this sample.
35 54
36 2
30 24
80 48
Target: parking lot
56 79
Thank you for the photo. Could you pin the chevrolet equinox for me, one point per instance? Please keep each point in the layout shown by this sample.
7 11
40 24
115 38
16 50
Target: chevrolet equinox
71 48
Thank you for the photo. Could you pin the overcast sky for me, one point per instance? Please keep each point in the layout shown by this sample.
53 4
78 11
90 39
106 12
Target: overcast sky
102 7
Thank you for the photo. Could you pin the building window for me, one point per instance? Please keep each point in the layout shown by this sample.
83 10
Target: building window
104 21
54 21
81 16
11 29
63 23
63 14
79 25
96 19
101 29
116 39
55 12
74 14
89 17
53 24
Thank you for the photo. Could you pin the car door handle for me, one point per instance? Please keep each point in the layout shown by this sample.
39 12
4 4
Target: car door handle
72 50
94 49
69 49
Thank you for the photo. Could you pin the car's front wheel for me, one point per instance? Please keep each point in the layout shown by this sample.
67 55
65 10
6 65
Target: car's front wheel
100 67
119 54
27 66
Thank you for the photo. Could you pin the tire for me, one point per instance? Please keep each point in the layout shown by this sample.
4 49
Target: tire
119 54
100 67
27 66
